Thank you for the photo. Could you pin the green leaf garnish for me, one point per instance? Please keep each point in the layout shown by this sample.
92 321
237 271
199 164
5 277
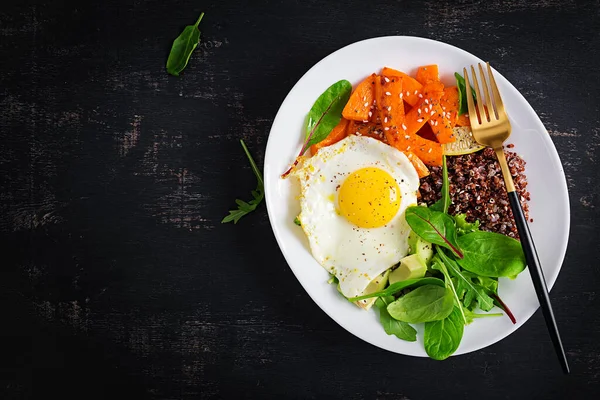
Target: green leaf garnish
182 48
258 194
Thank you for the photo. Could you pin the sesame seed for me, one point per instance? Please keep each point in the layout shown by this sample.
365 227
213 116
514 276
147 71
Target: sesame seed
420 120
365 120
426 110
389 108
435 123
388 94
367 104
407 93
426 101
416 91
406 137
386 79
387 128
432 112
370 114
407 147
403 126
385 120
419 110
357 133
429 151
420 95
364 98
400 94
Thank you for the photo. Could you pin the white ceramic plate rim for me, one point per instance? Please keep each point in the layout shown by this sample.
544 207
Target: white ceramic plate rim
529 134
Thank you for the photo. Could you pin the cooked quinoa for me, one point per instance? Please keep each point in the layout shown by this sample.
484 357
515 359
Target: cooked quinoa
477 189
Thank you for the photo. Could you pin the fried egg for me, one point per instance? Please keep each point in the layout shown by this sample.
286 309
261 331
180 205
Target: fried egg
353 197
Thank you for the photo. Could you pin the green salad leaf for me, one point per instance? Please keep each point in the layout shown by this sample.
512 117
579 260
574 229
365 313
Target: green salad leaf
468 291
444 202
442 337
491 254
462 226
423 304
400 329
326 112
439 265
434 226
182 48
398 286
463 106
324 115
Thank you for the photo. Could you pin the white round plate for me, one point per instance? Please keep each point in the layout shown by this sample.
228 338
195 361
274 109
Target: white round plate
549 205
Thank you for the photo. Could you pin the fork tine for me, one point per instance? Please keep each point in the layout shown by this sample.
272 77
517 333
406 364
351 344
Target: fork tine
482 116
470 102
497 99
491 112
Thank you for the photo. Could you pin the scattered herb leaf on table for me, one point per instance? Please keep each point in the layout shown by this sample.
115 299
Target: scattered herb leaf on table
182 48
258 194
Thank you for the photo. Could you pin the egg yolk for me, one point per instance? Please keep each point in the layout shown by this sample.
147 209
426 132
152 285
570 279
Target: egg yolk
369 197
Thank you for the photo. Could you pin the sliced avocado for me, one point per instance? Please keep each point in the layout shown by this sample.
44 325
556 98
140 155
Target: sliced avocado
417 245
424 250
411 267
377 284
412 242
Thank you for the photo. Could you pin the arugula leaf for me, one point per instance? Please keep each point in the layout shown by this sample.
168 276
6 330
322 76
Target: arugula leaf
440 266
442 338
473 315
463 106
491 254
463 227
398 286
258 194
444 203
464 284
182 48
424 304
433 226
402 330
324 115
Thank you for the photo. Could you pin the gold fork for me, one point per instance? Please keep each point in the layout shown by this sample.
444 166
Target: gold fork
491 128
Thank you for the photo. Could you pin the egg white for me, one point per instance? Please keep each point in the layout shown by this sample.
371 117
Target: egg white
354 255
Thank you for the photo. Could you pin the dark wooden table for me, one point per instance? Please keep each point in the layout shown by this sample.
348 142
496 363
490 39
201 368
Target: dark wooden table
116 276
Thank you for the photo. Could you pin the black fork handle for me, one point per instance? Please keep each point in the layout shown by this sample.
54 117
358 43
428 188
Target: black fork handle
537 276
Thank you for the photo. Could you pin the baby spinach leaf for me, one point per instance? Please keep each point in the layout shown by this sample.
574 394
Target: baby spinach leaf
442 338
443 203
182 48
324 115
463 106
491 254
423 304
398 286
400 329
464 285
433 226
439 265
258 194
